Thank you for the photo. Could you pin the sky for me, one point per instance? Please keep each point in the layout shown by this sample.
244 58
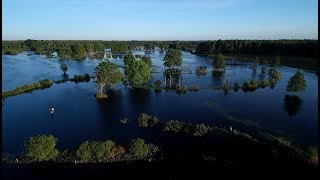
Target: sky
159 19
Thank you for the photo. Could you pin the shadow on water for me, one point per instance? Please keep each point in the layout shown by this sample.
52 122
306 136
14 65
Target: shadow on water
273 84
253 74
140 98
65 76
262 76
109 107
292 104
218 77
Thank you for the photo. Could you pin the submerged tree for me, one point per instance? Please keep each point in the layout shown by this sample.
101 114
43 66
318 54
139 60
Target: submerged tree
107 73
147 60
172 58
64 68
296 83
276 62
218 63
128 59
137 72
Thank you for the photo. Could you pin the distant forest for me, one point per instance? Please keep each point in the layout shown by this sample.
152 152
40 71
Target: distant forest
303 48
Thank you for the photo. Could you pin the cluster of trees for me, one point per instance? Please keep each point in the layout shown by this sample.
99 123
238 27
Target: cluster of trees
43 148
145 120
195 130
137 72
305 48
42 84
81 78
296 83
252 85
218 63
99 151
107 73
172 58
76 48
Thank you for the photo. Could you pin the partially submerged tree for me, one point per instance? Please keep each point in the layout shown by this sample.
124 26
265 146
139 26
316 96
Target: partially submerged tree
172 58
64 68
296 83
218 63
128 59
107 73
137 72
147 60
276 62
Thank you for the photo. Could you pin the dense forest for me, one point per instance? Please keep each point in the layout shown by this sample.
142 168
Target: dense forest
80 49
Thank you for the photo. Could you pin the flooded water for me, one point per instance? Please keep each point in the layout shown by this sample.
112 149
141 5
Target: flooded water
79 116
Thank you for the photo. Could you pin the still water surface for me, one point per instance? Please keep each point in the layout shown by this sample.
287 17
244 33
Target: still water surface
79 116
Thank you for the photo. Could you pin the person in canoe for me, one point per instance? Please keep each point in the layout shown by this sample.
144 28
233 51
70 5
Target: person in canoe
51 110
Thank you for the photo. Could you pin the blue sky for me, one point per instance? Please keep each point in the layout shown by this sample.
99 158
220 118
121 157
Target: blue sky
159 19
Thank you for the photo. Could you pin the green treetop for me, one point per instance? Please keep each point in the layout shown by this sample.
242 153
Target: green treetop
296 83
107 73
172 58
218 62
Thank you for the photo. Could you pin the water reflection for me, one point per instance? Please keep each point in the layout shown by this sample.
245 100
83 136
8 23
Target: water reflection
292 104
172 80
65 76
272 84
218 77
253 74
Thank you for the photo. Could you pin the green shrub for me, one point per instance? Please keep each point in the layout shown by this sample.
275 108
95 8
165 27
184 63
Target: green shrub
274 74
188 128
97 150
153 121
107 148
194 88
143 120
250 85
181 89
41 148
201 129
264 83
139 149
90 151
46 83
153 149
157 83
201 70
101 96
173 125
84 151
236 87
117 152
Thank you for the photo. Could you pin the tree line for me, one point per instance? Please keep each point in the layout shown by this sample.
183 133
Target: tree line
304 48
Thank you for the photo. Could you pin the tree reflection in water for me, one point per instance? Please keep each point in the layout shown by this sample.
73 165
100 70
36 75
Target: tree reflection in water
292 104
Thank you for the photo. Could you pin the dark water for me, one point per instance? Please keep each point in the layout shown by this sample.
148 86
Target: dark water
79 116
